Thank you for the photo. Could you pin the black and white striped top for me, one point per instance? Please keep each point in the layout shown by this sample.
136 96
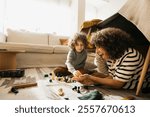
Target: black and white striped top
127 68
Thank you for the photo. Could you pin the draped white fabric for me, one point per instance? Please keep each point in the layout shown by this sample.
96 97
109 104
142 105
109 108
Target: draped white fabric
137 11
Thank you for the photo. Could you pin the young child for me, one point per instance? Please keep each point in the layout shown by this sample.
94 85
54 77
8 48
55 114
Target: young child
76 57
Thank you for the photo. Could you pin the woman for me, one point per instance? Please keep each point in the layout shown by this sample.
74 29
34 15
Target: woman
124 62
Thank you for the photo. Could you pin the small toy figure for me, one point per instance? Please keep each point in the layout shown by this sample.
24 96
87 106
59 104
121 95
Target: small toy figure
60 92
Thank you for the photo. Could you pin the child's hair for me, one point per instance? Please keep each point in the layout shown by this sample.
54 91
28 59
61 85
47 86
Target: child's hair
78 37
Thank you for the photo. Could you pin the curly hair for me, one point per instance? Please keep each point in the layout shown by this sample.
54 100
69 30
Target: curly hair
114 40
78 37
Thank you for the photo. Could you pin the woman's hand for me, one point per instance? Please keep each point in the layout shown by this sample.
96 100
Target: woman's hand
81 77
84 79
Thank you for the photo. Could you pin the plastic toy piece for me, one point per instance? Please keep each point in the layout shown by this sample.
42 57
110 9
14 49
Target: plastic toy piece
60 92
12 73
74 88
78 90
50 80
46 75
14 90
66 98
50 74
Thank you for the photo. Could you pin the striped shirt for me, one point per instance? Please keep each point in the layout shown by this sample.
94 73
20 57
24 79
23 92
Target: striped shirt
127 68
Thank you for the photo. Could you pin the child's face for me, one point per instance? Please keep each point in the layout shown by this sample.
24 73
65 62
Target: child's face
79 46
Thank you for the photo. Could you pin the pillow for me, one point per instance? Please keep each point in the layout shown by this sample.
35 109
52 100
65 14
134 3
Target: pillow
2 37
19 36
89 27
55 39
63 41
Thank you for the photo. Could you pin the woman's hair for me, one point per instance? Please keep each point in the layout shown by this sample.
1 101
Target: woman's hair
114 40
78 37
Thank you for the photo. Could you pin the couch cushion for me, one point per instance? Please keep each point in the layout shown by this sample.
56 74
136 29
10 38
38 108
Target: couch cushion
55 39
64 41
61 49
22 47
2 37
25 60
26 37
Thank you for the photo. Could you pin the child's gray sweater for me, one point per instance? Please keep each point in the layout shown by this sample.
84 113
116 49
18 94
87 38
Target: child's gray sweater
76 60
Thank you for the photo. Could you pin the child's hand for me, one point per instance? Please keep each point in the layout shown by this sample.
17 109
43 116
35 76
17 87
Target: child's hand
77 73
84 79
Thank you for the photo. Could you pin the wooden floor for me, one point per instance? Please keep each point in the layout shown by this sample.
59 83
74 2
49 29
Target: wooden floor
46 90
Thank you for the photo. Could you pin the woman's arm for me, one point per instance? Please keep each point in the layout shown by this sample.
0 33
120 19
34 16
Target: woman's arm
107 81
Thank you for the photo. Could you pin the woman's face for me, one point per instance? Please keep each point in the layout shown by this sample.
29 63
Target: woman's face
79 46
102 52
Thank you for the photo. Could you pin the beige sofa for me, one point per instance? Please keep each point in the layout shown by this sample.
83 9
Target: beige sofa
35 49
38 49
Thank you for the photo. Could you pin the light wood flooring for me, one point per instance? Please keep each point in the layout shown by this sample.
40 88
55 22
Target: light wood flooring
46 90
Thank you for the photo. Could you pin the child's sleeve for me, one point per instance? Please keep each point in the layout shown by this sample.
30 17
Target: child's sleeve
69 60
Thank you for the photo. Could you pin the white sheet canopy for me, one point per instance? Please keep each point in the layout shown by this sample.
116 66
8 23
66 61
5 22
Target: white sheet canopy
137 11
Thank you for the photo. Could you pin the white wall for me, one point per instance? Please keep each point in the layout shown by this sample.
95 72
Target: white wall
78 12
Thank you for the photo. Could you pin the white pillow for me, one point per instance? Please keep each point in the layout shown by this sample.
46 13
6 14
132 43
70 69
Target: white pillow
2 37
55 39
61 49
26 37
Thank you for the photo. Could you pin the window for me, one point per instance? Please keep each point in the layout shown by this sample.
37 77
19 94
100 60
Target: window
102 9
93 8
39 15
54 16
2 5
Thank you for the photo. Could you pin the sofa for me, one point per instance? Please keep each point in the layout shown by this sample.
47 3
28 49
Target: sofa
35 49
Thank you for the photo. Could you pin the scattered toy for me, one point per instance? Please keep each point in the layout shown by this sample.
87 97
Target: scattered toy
14 90
50 80
46 75
74 88
60 92
78 90
66 98
50 74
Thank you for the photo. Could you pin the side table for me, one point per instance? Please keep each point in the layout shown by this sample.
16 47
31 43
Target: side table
8 59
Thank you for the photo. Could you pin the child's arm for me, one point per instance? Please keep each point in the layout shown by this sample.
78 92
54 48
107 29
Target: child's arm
69 60
77 73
